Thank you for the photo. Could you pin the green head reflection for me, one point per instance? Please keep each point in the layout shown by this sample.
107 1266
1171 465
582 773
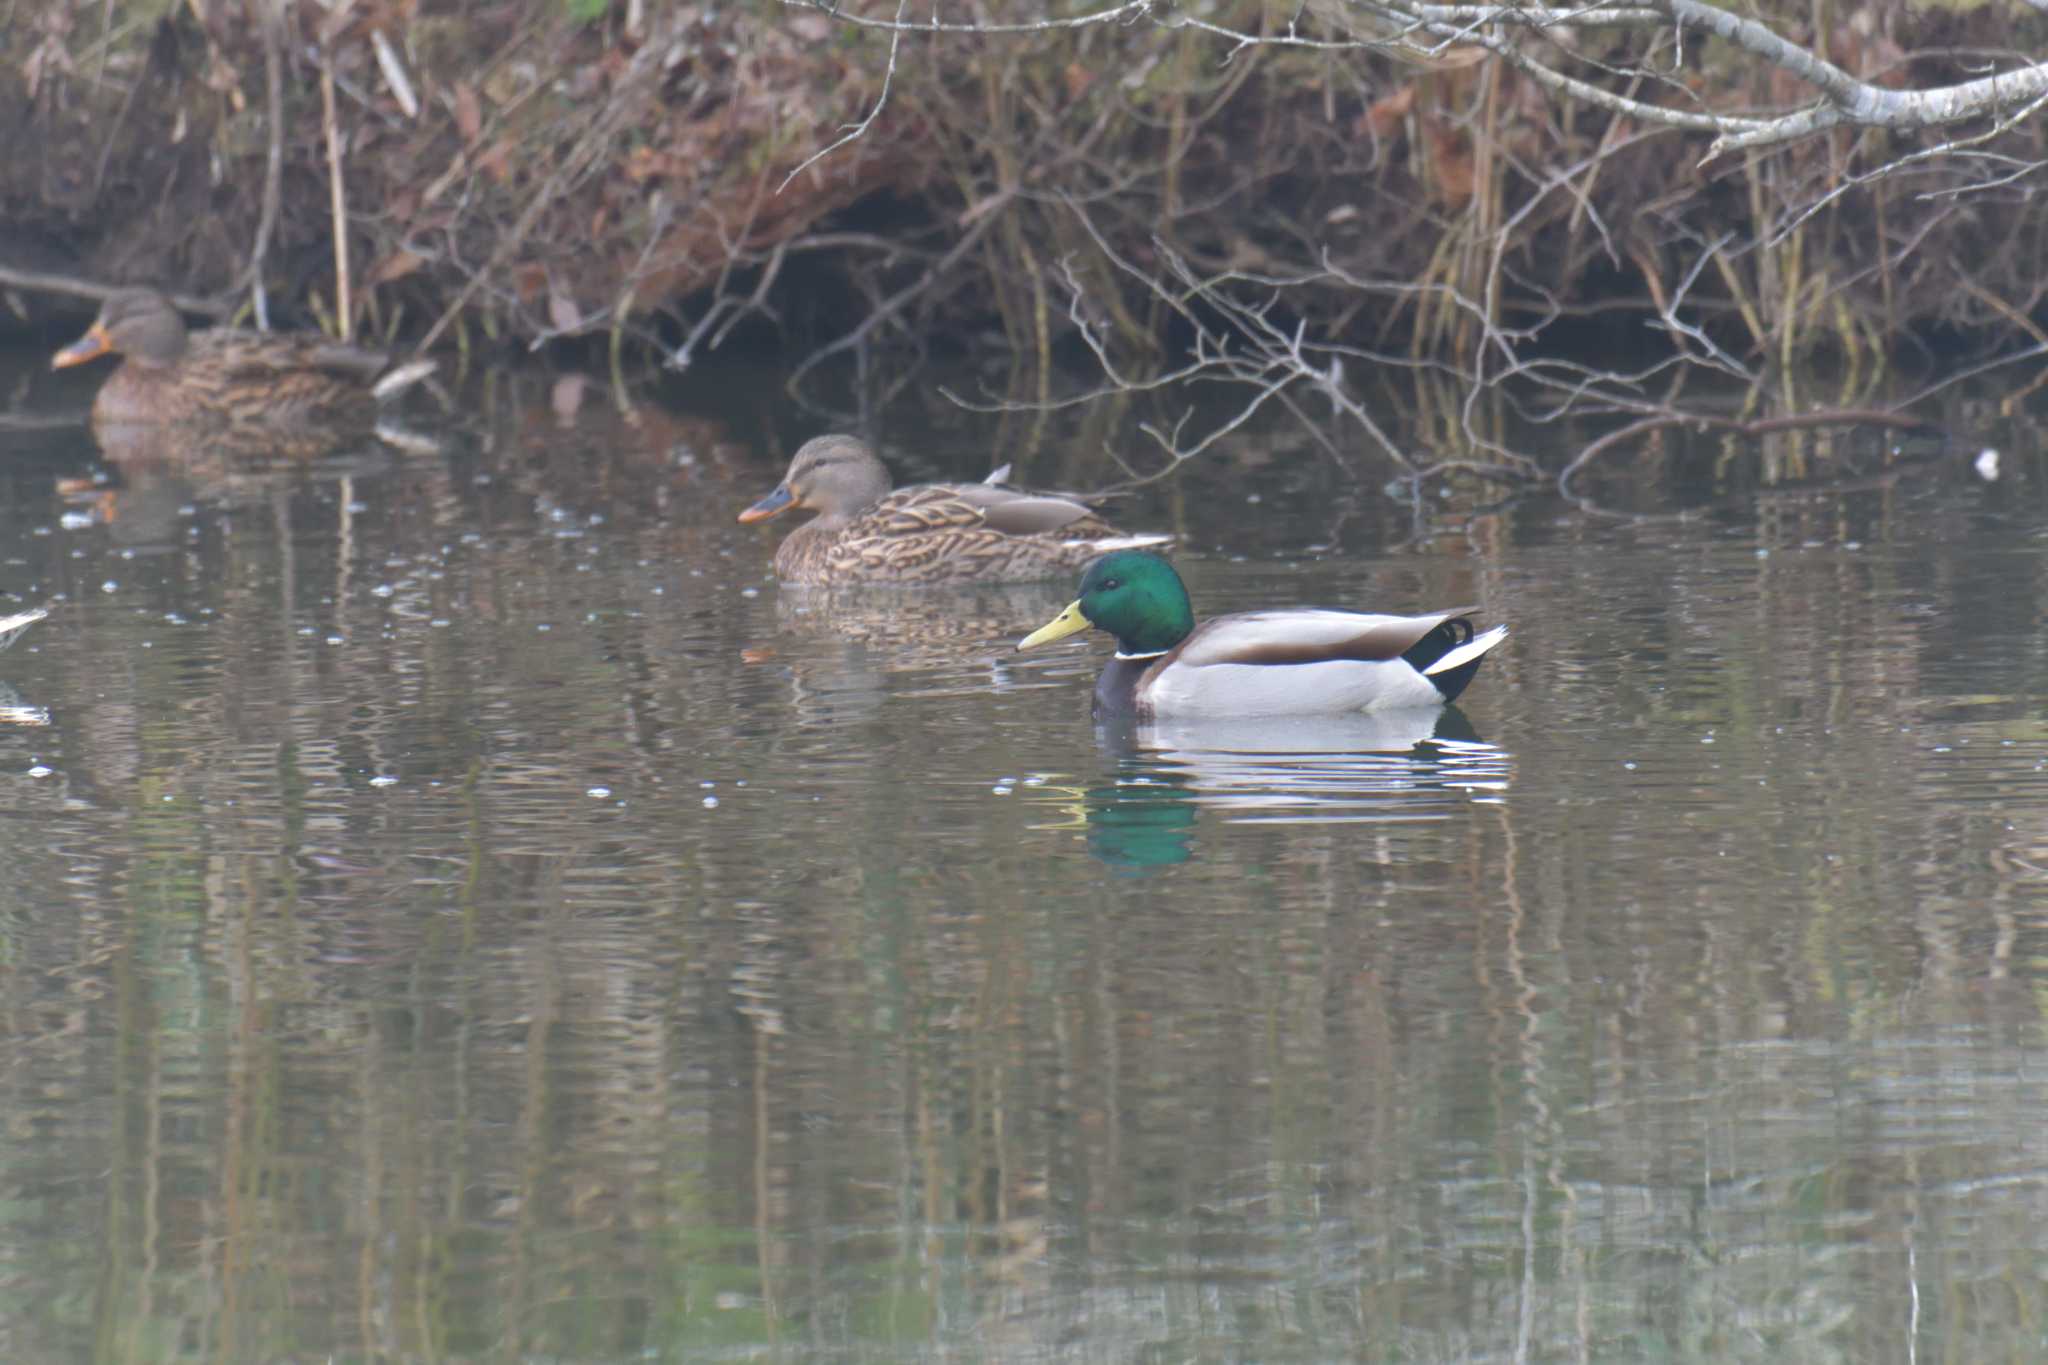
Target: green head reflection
1143 821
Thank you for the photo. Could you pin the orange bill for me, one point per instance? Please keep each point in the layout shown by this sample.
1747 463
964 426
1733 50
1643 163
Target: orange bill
94 344
768 506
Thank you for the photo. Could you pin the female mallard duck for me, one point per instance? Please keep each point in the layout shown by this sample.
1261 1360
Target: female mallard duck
1295 661
222 376
932 533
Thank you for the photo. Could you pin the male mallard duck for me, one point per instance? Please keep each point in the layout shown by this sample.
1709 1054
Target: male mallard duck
222 375
932 533
1294 661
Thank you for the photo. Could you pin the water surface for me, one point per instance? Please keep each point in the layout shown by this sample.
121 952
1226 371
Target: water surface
459 908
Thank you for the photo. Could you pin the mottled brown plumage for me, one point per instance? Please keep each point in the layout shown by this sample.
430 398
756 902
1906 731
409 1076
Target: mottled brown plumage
931 533
221 376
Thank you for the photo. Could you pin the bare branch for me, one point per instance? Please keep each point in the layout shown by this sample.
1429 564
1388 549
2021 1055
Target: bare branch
1427 31
1133 9
1294 305
895 303
881 100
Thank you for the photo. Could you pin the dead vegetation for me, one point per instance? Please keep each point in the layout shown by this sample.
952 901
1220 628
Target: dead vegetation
1286 180
517 168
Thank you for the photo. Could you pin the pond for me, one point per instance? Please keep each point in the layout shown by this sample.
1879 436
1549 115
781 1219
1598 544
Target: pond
455 906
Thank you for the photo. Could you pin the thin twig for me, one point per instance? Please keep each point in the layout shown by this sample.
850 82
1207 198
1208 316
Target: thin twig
595 138
889 307
273 167
337 197
856 130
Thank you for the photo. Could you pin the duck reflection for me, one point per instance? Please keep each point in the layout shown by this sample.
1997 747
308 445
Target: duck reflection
15 711
845 649
914 622
160 472
1141 819
1384 767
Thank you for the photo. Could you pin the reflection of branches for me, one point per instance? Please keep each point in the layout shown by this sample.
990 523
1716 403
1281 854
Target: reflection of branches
1752 427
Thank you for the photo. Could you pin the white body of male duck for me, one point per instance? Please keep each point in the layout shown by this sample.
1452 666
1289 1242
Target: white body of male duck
1296 661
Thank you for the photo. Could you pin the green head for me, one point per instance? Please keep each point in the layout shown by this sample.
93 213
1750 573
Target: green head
1133 595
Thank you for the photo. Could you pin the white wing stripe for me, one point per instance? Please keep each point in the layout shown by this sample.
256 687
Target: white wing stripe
1470 650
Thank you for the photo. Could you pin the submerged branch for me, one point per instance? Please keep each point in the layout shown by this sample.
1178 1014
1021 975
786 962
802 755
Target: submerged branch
1739 426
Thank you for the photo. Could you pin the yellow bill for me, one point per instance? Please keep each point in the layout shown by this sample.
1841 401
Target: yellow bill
1068 622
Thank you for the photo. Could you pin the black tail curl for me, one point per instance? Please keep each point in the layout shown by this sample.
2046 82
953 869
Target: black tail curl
1439 642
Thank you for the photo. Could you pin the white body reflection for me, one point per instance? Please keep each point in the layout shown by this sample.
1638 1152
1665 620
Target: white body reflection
13 710
1404 765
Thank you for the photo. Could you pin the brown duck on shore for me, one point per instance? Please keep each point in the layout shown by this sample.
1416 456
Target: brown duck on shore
222 376
929 533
